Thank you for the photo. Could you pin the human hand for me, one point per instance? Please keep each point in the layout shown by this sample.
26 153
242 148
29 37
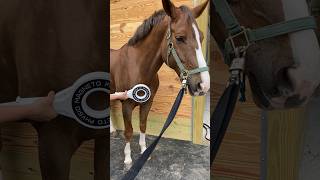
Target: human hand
122 95
42 109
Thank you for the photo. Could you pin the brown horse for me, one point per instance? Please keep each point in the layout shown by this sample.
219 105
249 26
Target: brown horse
284 70
139 60
47 45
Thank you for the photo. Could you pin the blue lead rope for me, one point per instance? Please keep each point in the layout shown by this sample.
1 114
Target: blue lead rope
136 167
220 118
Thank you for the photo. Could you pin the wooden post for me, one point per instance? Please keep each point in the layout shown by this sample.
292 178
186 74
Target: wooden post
198 103
285 133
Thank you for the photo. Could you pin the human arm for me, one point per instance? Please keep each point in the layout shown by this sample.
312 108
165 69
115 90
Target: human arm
40 110
119 96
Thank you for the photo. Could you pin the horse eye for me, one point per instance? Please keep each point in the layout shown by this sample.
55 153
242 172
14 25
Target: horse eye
180 39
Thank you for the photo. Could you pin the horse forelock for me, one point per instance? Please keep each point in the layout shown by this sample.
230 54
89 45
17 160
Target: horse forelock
187 10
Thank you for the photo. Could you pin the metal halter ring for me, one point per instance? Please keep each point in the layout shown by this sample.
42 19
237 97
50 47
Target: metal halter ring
184 74
241 35
140 88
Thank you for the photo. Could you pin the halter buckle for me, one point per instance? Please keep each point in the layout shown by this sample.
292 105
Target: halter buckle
241 35
169 33
170 45
236 69
184 76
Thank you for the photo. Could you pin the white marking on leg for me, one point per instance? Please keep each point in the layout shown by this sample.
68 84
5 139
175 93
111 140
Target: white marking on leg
142 142
127 154
112 129
205 77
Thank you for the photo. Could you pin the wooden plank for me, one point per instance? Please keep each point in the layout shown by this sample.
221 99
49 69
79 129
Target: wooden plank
285 143
124 21
22 166
224 178
239 155
19 155
179 129
198 106
199 103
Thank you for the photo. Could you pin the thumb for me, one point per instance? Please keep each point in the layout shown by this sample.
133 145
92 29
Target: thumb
51 95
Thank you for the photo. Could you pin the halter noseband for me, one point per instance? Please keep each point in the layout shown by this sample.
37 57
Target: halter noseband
184 73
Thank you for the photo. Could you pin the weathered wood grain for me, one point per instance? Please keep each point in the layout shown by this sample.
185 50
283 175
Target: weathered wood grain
285 143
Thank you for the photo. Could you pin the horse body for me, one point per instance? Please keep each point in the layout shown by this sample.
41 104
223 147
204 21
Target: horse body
51 47
131 66
140 59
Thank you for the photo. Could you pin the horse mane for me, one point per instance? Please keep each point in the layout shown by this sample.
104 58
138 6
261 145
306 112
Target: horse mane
145 28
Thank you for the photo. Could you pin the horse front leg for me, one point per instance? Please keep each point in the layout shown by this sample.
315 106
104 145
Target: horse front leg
102 158
112 128
317 92
56 148
127 108
144 111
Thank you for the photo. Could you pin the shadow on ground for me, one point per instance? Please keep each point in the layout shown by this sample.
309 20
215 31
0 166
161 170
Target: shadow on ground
171 160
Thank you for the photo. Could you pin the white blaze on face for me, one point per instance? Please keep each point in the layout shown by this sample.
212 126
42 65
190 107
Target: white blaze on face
205 78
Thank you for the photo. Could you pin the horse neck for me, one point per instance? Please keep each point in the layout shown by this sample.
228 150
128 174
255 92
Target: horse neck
148 52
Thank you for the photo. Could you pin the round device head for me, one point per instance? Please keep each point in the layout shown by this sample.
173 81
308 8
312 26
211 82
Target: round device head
72 102
140 93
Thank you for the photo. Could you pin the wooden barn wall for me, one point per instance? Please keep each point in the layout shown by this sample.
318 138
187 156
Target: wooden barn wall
239 155
126 16
19 155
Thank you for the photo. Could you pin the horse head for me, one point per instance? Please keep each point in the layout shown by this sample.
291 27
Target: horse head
185 37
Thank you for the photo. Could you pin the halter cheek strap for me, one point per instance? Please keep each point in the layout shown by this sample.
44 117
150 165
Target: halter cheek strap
184 73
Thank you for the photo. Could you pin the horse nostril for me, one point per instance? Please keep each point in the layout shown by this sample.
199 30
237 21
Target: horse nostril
199 86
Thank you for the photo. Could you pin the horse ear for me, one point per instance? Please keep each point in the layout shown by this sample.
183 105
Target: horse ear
197 11
169 8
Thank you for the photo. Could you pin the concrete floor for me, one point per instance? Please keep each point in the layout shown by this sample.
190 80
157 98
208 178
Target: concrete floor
171 160
310 165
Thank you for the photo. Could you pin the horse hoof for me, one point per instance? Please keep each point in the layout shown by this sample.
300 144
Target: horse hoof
114 133
127 167
143 148
128 161
112 130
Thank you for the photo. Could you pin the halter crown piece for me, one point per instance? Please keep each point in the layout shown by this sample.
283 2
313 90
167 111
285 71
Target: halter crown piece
184 73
